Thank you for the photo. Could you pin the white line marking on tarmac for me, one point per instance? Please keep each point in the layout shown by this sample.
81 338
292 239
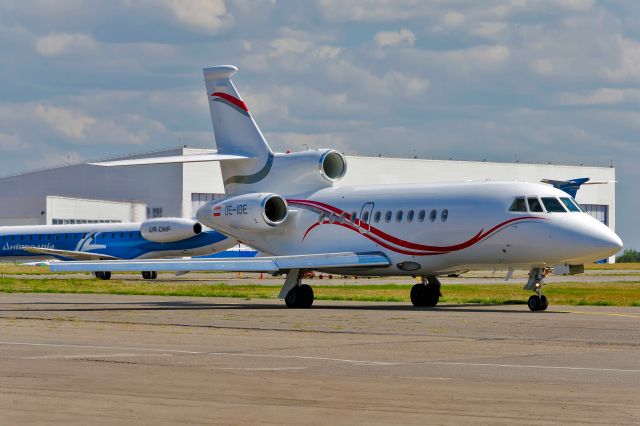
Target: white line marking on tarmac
539 367
82 356
605 314
315 358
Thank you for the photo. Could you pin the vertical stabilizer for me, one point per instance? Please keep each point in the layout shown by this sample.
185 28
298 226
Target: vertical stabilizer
235 130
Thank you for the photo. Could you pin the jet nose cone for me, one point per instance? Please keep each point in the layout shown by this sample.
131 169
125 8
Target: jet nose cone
605 242
613 242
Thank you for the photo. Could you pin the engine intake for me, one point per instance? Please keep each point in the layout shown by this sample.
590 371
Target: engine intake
333 165
169 230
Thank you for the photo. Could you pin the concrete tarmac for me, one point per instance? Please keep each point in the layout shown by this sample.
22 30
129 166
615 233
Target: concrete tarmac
101 359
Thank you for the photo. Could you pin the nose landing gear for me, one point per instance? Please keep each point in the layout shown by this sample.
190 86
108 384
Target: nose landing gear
538 301
427 293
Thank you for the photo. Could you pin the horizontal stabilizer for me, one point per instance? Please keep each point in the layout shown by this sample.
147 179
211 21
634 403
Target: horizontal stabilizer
68 254
242 264
195 158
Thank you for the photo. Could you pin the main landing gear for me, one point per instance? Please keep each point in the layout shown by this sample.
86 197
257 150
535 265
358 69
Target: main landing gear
427 293
538 301
149 275
103 275
294 293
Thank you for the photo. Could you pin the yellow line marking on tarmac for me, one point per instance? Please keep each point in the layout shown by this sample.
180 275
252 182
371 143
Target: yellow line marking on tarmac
605 314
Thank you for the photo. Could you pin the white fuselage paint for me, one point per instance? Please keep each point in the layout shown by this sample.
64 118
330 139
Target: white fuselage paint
479 231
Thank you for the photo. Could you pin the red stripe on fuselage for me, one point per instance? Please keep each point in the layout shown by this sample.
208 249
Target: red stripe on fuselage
237 102
421 250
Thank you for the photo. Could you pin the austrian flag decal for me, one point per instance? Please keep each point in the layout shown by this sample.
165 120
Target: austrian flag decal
216 211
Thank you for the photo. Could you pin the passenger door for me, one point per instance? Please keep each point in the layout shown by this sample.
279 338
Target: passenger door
366 215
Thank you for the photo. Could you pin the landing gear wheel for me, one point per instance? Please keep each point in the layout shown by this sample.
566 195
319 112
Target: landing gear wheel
103 275
425 295
545 302
300 296
146 275
538 303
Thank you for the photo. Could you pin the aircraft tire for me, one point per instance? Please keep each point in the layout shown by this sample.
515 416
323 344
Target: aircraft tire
425 295
154 275
299 297
545 302
146 275
103 275
536 303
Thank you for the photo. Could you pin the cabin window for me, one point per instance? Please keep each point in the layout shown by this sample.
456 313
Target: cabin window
365 217
320 220
421 216
570 204
410 216
30 237
387 216
354 217
553 205
432 215
343 217
444 215
518 205
334 218
534 205
376 217
130 234
399 216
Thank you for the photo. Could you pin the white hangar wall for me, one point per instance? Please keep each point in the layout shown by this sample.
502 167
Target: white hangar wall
165 189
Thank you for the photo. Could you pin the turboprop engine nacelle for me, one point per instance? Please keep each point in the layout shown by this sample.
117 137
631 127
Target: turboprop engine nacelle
169 230
251 212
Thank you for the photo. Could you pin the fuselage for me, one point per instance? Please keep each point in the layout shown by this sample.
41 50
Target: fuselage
121 241
437 228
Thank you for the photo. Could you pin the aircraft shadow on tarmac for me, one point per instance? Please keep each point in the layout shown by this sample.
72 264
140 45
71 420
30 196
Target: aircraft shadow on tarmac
194 305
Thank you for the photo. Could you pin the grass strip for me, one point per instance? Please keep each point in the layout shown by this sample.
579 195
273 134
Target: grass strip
598 294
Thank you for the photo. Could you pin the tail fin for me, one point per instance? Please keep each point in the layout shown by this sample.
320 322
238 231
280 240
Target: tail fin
235 130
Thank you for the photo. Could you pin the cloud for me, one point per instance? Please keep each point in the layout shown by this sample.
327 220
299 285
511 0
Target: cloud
392 38
71 124
207 16
605 96
628 61
61 43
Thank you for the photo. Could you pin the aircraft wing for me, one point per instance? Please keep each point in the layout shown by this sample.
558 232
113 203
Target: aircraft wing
241 264
195 158
69 254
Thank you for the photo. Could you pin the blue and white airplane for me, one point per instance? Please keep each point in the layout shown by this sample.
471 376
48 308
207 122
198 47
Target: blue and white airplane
152 239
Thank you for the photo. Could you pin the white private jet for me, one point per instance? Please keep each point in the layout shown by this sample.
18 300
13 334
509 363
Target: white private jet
287 207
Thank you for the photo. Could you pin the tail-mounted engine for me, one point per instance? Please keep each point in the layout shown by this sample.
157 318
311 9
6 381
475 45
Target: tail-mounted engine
288 174
169 230
251 212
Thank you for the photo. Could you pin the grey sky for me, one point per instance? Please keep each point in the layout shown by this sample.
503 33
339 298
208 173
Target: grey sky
540 81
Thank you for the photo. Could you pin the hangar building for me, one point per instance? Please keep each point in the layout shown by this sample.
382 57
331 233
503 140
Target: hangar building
84 193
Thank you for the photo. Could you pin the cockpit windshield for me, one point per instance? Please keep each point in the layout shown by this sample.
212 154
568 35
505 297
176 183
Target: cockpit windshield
553 205
571 205
534 205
